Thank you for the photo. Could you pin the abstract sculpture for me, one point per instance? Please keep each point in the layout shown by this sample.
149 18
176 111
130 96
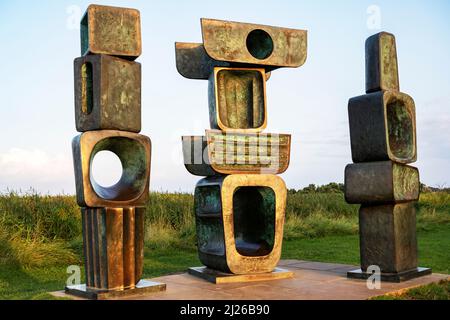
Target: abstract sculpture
108 113
383 142
240 205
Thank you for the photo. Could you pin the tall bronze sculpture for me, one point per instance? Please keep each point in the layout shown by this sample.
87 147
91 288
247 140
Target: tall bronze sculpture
383 143
108 113
240 205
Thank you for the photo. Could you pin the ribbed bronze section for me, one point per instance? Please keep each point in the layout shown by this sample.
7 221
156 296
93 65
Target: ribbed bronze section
113 247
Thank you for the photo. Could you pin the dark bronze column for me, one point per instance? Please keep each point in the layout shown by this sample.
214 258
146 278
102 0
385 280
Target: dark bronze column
383 143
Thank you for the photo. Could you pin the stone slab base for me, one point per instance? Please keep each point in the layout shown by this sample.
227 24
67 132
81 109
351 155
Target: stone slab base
218 277
391 277
144 287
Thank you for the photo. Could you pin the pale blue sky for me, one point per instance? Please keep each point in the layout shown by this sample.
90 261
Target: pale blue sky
39 44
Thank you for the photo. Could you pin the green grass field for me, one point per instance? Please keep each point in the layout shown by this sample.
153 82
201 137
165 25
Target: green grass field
41 235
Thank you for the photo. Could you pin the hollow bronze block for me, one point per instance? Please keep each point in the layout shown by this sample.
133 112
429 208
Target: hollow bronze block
237 100
237 153
245 43
133 150
381 182
111 30
240 221
113 247
381 63
107 94
383 127
388 237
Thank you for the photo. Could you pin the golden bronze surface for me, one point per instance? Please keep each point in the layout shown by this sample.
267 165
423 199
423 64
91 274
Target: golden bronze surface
233 42
134 151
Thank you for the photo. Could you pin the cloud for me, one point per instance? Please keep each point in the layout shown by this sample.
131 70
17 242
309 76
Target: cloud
22 169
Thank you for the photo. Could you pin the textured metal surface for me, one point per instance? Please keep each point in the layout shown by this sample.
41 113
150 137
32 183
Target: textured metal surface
381 182
107 94
111 30
248 153
381 63
237 99
193 62
388 237
134 151
219 153
383 127
245 43
240 221
113 247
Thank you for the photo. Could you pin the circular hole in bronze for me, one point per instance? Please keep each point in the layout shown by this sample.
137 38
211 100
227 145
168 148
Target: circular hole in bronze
259 44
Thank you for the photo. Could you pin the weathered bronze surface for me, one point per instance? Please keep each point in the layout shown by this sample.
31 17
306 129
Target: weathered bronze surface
218 277
388 237
193 62
240 221
381 182
245 43
113 247
111 30
239 214
107 94
383 127
383 141
381 63
237 99
236 153
108 112
134 151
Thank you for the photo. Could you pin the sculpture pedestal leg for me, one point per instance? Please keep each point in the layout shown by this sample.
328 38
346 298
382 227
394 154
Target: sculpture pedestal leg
388 241
114 252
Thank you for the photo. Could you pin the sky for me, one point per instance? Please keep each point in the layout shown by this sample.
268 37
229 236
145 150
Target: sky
40 40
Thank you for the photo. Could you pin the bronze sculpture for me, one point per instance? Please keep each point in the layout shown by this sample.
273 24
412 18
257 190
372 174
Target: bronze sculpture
108 113
240 205
383 143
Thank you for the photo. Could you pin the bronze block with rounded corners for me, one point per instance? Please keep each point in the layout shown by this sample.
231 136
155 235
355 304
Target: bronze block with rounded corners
388 237
253 44
133 150
381 63
111 30
381 182
240 220
237 100
383 127
219 153
107 94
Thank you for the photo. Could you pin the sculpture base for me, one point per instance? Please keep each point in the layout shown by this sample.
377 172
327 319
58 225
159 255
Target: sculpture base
218 277
391 277
144 287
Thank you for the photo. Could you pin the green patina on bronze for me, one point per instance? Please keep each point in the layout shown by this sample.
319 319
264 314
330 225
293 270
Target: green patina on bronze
87 93
111 30
241 98
406 182
388 61
259 44
400 129
132 155
254 220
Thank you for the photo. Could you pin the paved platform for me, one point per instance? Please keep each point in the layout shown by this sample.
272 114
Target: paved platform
311 281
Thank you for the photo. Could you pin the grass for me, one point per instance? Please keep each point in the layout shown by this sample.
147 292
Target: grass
41 235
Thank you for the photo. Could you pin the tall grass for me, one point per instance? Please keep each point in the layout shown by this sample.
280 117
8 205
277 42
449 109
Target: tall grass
40 230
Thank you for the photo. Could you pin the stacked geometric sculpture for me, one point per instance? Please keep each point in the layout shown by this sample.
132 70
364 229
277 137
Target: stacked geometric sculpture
108 113
383 142
240 205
